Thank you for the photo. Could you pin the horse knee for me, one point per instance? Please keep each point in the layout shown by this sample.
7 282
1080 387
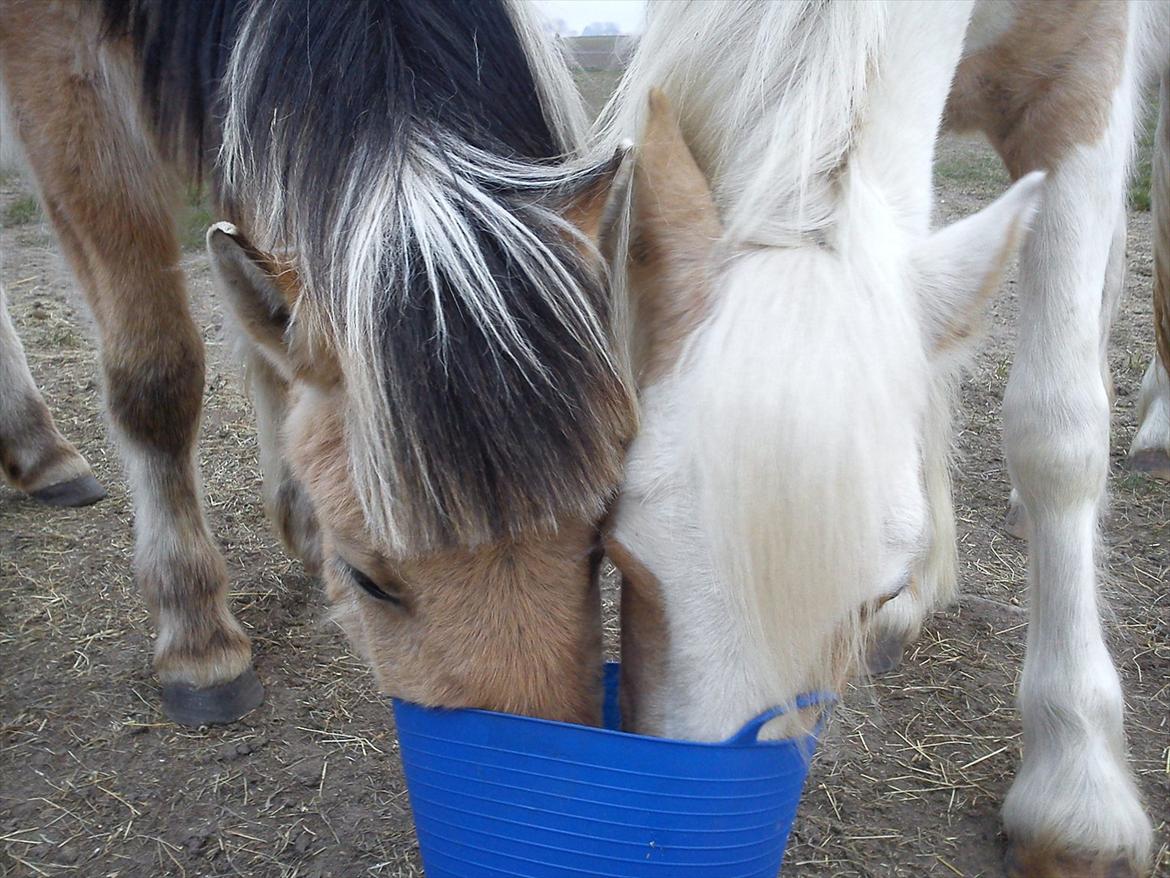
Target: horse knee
155 397
1056 441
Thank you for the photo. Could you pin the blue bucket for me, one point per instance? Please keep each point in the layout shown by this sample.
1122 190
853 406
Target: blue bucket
496 794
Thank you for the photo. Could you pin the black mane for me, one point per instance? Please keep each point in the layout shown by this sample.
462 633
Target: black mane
369 68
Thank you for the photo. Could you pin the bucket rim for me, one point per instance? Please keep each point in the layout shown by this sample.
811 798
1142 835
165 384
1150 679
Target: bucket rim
746 737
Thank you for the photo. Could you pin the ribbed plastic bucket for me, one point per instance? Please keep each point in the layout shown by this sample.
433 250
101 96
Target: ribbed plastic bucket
495 794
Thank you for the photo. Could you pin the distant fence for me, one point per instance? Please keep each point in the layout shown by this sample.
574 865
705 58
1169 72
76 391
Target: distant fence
600 53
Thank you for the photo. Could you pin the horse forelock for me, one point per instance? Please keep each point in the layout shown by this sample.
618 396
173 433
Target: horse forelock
806 390
474 336
496 408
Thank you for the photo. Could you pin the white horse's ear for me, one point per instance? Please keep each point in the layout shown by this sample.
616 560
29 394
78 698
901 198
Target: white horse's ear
673 235
262 308
958 269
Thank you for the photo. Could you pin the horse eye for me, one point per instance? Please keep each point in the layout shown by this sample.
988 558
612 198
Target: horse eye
370 587
885 599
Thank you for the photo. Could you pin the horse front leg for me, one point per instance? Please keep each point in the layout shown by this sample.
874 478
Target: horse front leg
1112 295
34 457
1074 810
75 103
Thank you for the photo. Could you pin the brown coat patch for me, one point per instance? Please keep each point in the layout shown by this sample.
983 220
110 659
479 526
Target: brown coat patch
110 198
1046 85
33 454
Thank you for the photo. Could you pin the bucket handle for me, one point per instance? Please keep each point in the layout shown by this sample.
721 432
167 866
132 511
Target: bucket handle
749 734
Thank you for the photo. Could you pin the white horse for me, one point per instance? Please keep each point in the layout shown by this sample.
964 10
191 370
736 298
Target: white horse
796 333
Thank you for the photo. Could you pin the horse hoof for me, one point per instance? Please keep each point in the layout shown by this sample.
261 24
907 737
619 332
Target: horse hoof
214 705
1153 462
884 655
1022 861
82 491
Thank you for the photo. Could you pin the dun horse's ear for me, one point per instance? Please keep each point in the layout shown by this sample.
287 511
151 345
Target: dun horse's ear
959 268
249 282
590 207
675 229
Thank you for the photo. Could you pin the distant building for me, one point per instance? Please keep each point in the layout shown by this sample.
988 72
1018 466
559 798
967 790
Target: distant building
558 27
608 52
601 29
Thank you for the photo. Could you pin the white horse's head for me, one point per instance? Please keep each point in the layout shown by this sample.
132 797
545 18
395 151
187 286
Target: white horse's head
792 318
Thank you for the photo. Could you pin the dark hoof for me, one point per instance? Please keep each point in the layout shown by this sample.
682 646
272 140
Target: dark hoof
884 655
1022 861
81 491
226 703
1154 463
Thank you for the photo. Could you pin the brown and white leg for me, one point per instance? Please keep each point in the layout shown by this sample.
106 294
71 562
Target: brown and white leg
74 103
34 457
1150 451
285 500
1073 809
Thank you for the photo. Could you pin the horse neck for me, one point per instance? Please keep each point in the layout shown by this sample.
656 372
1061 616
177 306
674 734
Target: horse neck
895 151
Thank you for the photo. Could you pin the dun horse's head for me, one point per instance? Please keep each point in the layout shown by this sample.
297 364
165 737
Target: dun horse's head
458 464
775 496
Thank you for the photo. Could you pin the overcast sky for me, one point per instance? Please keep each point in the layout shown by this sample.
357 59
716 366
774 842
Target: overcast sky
626 14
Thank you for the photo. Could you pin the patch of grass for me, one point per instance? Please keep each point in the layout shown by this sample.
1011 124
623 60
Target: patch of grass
1142 174
194 219
969 165
1138 484
21 212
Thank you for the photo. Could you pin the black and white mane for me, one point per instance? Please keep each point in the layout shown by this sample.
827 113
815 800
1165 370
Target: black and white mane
414 157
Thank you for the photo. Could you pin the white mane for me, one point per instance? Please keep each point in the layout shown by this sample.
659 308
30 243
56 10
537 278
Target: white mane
769 122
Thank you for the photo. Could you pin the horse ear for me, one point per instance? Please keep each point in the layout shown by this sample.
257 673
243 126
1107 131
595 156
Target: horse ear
958 268
250 283
590 206
675 229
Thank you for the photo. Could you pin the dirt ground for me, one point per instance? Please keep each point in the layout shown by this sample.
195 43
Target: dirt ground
95 782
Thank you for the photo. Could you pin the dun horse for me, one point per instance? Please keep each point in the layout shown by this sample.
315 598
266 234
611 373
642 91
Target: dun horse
797 329
34 456
413 255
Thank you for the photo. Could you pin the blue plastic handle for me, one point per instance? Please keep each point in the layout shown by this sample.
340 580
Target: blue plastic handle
750 732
